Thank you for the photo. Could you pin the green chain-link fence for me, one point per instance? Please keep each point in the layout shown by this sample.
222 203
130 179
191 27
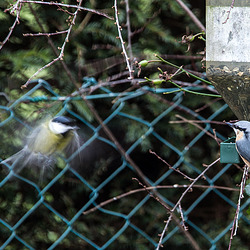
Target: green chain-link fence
55 213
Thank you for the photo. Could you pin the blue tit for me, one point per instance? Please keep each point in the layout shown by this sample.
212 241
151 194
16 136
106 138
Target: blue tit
50 137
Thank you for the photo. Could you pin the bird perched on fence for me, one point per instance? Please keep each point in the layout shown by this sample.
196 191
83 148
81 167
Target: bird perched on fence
242 131
48 138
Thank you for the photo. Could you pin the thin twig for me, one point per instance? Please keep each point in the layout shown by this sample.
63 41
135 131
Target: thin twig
46 34
181 57
241 196
203 86
124 93
129 47
176 170
191 14
148 21
119 28
180 199
135 191
218 140
170 103
152 195
190 91
201 128
17 7
69 6
84 22
207 105
199 121
182 218
183 70
229 11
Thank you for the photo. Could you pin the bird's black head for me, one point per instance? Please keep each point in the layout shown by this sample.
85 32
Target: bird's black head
62 125
64 120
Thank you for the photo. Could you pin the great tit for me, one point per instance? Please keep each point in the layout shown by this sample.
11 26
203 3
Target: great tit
52 136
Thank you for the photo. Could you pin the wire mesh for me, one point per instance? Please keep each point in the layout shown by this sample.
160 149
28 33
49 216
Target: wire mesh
26 227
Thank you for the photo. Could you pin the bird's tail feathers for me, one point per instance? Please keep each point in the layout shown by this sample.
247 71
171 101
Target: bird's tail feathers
26 158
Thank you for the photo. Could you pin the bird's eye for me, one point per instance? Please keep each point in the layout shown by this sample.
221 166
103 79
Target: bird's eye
242 129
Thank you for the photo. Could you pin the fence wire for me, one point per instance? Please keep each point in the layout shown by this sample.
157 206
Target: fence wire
89 230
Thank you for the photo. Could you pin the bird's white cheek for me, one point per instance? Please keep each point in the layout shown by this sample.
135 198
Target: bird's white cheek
239 135
58 128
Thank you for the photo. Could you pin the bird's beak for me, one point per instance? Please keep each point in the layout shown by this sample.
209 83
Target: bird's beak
230 124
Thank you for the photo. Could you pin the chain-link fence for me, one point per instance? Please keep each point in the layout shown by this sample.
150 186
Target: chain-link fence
99 203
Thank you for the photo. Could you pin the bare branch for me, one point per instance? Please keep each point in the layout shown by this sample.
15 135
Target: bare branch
192 16
197 121
69 6
176 170
17 7
119 28
182 218
46 34
194 122
135 191
180 199
229 11
236 217
129 47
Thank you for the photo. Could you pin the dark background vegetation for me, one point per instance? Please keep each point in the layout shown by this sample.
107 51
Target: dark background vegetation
94 51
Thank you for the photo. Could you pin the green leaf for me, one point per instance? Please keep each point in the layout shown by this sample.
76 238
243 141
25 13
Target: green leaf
52 236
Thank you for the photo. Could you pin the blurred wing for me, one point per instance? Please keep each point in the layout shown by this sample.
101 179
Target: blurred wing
26 158
72 147
17 161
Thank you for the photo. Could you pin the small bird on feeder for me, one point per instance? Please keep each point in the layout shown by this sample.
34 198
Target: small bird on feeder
242 131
